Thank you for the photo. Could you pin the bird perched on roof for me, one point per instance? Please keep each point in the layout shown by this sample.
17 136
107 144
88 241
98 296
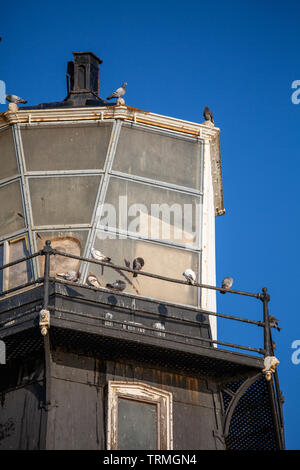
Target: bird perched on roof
226 284
92 280
117 285
190 276
208 115
119 93
15 99
96 254
137 265
72 275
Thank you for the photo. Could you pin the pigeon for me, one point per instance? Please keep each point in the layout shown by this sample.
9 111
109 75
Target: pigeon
137 265
93 281
190 276
15 99
119 92
72 276
274 322
117 285
208 116
96 254
226 284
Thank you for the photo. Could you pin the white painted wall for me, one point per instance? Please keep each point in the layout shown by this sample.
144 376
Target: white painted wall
208 298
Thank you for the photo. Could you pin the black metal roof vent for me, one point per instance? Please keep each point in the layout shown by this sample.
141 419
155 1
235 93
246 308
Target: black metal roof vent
83 74
82 83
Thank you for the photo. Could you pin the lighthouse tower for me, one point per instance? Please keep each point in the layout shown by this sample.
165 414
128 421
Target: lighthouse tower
107 344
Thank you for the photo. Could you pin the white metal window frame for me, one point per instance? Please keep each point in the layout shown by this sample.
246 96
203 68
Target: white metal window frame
6 246
141 392
107 172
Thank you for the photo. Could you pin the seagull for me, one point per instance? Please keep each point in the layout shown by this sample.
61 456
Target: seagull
15 99
119 92
208 115
117 285
226 284
72 276
93 281
137 265
96 254
190 276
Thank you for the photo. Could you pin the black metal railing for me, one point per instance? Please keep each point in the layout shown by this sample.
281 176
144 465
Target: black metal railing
264 297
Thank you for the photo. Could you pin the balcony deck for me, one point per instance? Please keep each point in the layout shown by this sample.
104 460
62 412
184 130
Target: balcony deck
112 326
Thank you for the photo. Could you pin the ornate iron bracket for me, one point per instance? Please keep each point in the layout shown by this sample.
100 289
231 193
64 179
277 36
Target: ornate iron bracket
235 400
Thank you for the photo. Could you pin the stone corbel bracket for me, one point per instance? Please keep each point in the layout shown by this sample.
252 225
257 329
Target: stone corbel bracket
270 363
44 322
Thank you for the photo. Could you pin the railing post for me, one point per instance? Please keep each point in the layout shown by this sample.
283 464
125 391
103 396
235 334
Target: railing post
44 324
270 361
265 297
44 313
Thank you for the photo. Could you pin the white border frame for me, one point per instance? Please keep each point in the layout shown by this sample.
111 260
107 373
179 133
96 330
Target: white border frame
145 393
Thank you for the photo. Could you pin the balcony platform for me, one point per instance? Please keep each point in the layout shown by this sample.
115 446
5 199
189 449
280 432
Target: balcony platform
117 328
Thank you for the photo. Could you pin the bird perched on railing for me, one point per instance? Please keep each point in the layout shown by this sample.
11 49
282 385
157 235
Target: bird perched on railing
208 115
96 254
119 93
72 276
137 265
92 280
226 284
117 285
190 276
274 322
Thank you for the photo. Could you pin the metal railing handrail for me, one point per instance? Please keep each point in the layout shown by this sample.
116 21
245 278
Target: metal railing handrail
21 260
155 276
48 251
178 337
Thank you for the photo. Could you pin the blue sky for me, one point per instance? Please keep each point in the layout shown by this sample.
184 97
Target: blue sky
239 58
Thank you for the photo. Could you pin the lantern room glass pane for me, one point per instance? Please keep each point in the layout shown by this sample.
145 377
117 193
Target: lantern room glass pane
1 264
159 157
63 200
152 212
72 147
72 242
137 425
11 208
8 159
20 273
159 259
